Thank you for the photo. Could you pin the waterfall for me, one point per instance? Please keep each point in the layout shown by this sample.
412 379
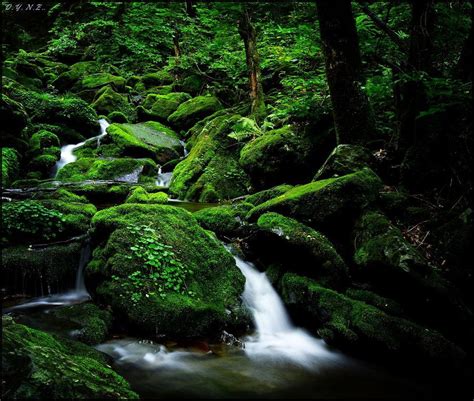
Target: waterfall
77 295
67 151
163 179
276 338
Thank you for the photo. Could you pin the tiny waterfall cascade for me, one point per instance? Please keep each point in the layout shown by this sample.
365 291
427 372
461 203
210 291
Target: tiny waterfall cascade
163 179
67 151
276 338
78 295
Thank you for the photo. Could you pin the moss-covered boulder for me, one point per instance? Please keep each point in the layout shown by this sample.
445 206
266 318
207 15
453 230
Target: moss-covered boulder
325 204
345 159
157 78
160 107
92 323
211 172
301 249
122 169
386 260
33 221
76 72
14 119
276 157
163 274
267 194
193 110
10 166
150 139
108 100
363 329
117 117
140 195
36 365
47 108
226 220
98 80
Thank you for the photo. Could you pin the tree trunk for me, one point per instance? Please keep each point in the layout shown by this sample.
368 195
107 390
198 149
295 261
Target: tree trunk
190 10
351 111
249 36
410 93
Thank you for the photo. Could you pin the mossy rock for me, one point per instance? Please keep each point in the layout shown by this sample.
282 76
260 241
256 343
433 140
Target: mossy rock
301 249
192 84
150 139
123 169
140 195
267 194
160 107
117 117
93 323
345 159
31 271
36 365
43 139
193 110
325 204
386 260
211 171
226 220
40 221
108 100
14 119
276 157
67 79
47 108
10 166
211 301
157 78
42 166
99 80
363 329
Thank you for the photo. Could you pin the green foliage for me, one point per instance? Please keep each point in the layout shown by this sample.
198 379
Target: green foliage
26 220
10 165
161 271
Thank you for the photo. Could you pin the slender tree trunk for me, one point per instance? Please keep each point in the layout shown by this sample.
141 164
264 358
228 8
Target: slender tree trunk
190 10
411 94
249 36
353 118
176 46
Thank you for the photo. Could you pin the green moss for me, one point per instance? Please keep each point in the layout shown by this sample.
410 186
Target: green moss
165 105
37 365
150 139
193 110
43 165
313 254
98 80
211 171
360 327
267 194
87 168
42 140
215 284
326 202
94 323
46 108
223 220
10 166
117 117
345 159
108 101
277 156
140 195
386 305
157 78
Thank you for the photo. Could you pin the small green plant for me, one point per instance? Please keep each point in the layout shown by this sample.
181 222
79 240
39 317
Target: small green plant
30 221
247 128
160 271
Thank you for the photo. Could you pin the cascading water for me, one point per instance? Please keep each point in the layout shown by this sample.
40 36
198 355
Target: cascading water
67 151
163 179
77 295
276 338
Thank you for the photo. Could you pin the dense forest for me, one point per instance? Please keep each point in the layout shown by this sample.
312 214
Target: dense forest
237 200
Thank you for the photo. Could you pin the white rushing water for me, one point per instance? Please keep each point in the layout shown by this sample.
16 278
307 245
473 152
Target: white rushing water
77 295
163 179
276 338
67 151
